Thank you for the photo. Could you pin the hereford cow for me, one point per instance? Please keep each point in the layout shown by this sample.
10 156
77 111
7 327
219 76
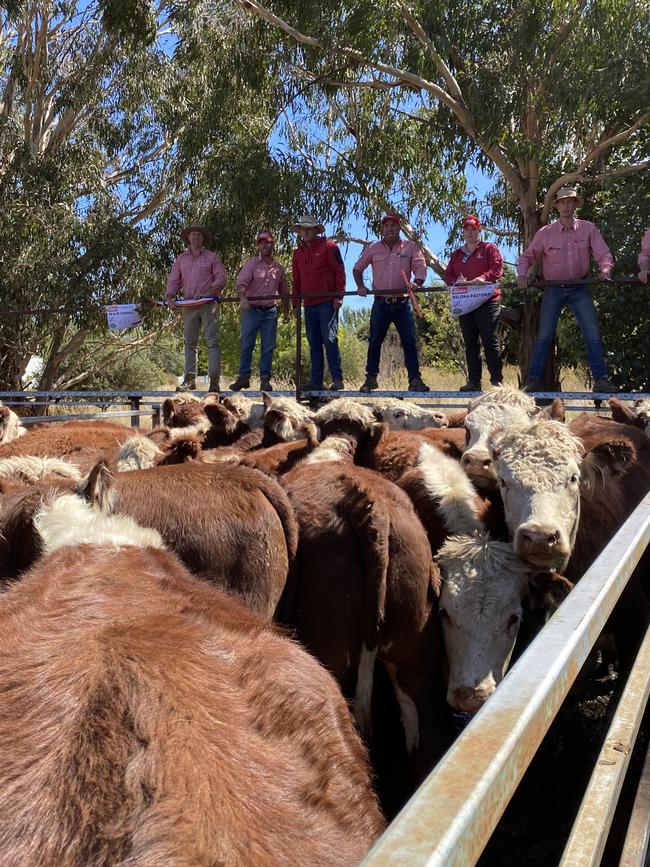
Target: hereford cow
148 718
230 525
10 426
638 416
486 590
162 447
81 443
28 469
403 415
366 589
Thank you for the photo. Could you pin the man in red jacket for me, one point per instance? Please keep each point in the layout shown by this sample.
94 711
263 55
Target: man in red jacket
319 277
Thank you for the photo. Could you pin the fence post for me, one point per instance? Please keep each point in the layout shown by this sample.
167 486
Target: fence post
155 415
135 407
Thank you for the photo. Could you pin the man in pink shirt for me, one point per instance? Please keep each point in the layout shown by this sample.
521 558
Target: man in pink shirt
198 273
644 258
389 258
565 248
260 283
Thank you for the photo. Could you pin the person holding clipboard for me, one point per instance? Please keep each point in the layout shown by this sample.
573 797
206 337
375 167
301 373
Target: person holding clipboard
199 274
474 263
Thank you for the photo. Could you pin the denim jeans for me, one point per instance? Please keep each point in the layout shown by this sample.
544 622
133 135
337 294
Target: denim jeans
322 331
193 317
264 323
482 323
580 300
401 314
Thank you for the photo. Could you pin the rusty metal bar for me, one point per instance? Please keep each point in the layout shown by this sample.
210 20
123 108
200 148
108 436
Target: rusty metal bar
635 847
586 843
454 812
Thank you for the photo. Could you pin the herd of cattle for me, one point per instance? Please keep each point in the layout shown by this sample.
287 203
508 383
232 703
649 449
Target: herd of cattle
188 614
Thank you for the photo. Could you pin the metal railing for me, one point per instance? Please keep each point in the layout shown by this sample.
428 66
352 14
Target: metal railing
142 404
452 816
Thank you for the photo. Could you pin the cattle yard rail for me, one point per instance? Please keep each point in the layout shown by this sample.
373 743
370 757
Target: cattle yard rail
451 817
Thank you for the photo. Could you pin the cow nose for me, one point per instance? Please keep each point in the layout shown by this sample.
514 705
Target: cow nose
476 461
539 535
470 699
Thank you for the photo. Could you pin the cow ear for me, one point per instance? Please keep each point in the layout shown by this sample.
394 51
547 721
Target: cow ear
211 398
97 487
554 412
493 441
168 410
612 457
309 429
547 590
374 434
268 400
623 413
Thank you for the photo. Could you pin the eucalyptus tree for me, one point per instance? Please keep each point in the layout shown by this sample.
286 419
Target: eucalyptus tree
403 97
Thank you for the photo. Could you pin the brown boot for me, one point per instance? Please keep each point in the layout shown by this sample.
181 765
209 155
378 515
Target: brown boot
239 383
370 384
265 383
188 383
214 383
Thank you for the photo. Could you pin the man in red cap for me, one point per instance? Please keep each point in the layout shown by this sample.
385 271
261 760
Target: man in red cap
260 283
474 263
198 273
391 259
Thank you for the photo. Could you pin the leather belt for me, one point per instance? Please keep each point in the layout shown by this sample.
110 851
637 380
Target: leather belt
390 300
261 307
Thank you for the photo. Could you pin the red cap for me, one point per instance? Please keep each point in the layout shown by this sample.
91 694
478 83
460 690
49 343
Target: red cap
264 236
472 221
393 218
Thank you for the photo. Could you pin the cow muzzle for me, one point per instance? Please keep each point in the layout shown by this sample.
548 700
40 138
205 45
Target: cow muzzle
541 545
478 466
470 699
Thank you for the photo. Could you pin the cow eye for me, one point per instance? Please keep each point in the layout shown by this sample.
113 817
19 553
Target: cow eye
513 623
445 617
503 485
574 479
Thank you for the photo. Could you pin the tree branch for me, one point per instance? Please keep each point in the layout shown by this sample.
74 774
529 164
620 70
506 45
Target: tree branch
441 66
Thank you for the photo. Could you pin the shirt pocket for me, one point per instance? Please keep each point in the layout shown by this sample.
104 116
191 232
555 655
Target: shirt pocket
259 274
555 255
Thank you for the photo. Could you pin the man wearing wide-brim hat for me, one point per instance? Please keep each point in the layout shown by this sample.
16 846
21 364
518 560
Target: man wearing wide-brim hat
199 274
565 248
319 279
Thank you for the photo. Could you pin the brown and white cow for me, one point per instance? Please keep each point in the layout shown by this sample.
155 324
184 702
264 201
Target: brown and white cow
10 426
637 416
148 718
366 589
403 415
230 525
29 469
486 592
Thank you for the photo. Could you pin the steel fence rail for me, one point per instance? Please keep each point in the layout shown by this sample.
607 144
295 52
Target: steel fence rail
637 838
588 837
454 812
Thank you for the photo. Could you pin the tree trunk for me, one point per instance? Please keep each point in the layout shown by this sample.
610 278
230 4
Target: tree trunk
530 317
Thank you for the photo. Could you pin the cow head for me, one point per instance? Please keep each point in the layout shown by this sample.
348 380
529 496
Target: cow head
486 591
402 415
638 416
284 417
538 473
481 425
10 427
184 410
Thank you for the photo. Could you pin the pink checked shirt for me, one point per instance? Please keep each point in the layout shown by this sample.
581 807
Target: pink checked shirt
565 253
198 276
388 264
263 281
644 255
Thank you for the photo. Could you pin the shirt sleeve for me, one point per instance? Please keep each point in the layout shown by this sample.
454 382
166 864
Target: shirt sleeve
283 288
336 264
495 264
295 278
450 272
418 263
245 275
601 251
364 259
174 280
219 276
644 255
534 251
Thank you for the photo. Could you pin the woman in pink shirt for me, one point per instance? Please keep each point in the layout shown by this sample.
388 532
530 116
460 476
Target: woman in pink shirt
478 262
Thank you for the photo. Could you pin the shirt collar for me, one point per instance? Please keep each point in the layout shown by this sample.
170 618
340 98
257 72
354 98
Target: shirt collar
572 228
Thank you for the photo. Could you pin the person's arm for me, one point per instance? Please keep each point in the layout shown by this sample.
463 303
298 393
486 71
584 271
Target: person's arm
336 264
495 264
531 254
296 281
601 253
450 272
243 282
219 276
418 265
283 289
644 258
173 284
357 271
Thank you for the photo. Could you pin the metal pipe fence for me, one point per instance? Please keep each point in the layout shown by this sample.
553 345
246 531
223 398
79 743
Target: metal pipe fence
451 817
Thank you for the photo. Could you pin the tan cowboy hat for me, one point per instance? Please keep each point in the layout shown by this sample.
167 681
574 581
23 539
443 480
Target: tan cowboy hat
196 227
568 193
306 221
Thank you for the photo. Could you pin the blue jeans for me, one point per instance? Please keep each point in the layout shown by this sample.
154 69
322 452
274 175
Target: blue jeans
264 323
580 300
401 314
322 331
